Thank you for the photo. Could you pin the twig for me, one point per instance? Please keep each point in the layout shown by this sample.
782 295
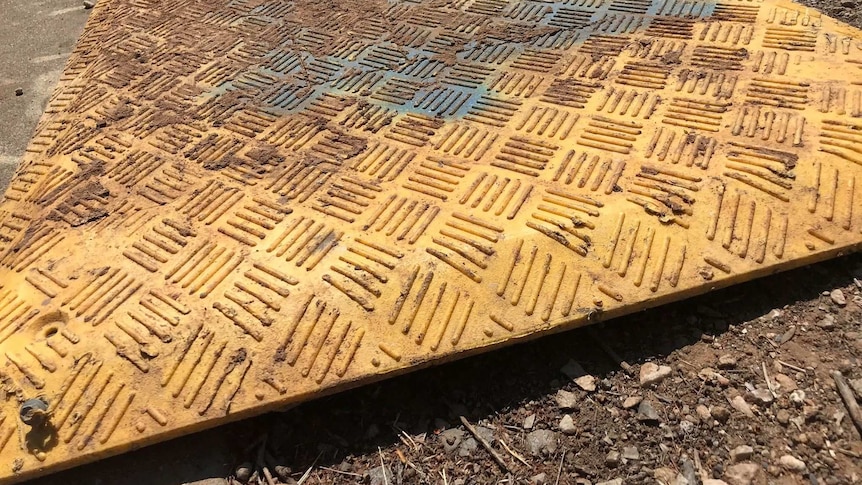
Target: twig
790 366
443 474
513 453
383 466
485 444
848 452
768 381
611 353
268 476
849 399
307 473
421 473
341 472
560 469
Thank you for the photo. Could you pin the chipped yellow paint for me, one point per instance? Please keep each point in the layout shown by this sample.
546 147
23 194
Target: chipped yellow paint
230 206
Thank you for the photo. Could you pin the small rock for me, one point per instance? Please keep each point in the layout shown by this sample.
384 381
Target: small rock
827 322
727 361
783 417
741 453
587 383
791 463
786 383
742 473
720 413
451 438
567 425
19 92
631 402
612 460
88 4
283 472
837 297
651 374
664 475
566 399
703 413
542 441
615 481
631 453
572 370
647 413
208 481
243 472
688 471
467 447
540 479
714 481
761 396
797 397
529 421
738 403
381 475
686 426
816 441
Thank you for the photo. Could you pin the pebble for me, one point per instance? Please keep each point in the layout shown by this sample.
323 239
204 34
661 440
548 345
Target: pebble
761 396
19 92
566 399
542 441
540 479
631 402
742 473
720 413
783 417
709 374
714 481
451 438
664 475
791 463
651 374
529 421
837 297
88 4
647 413
631 453
738 403
786 382
827 322
741 453
467 447
797 397
703 412
283 472
612 460
727 361
379 476
688 471
615 481
243 472
567 425
587 383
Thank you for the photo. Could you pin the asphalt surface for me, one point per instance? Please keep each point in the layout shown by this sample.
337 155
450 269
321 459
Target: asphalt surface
36 38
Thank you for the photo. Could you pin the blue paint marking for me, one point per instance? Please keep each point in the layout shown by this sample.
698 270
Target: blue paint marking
431 81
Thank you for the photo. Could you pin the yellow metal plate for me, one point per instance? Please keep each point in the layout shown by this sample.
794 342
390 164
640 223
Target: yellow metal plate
230 206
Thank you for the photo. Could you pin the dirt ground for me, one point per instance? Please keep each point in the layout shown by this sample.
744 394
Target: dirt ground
741 391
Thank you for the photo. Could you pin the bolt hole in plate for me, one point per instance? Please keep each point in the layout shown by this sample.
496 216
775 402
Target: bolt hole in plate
233 206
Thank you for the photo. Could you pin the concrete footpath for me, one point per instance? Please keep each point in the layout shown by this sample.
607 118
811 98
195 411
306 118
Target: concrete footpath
36 38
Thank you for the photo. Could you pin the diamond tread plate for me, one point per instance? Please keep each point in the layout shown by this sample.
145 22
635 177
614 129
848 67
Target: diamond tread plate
233 205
